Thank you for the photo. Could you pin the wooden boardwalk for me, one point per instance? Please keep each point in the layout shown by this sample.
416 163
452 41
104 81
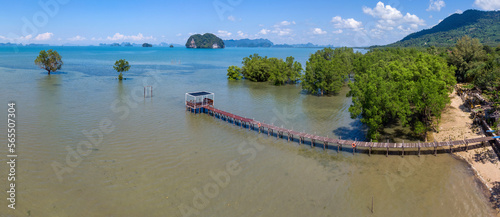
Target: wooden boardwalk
326 143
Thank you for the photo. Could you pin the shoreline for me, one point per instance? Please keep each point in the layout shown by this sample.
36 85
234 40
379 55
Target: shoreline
455 124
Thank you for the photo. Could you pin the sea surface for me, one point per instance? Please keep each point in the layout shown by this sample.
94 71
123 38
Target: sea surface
90 145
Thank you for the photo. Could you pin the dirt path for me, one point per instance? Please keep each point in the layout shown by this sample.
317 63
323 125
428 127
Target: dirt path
455 124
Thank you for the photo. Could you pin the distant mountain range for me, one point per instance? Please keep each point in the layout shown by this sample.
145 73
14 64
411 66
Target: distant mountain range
261 42
248 43
484 25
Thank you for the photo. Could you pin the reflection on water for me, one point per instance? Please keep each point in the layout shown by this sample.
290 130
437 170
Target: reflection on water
160 157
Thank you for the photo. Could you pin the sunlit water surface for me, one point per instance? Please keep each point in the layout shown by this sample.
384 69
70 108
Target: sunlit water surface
158 159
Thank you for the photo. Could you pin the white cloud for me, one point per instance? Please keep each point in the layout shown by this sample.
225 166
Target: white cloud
436 5
241 34
117 36
383 27
3 37
77 38
286 23
223 33
385 12
318 31
337 31
346 23
458 11
43 36
389 17
413 19
231 18
178 34
264 31
282 32
488 5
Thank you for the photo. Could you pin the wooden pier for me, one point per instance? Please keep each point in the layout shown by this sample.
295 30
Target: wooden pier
206 106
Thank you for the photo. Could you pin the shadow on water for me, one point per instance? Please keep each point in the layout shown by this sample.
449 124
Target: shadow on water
394 132
355 130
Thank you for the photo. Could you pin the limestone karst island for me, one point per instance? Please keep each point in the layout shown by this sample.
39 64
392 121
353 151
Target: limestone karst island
207 40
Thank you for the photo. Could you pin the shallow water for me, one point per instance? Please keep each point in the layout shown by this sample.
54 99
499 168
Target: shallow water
159 156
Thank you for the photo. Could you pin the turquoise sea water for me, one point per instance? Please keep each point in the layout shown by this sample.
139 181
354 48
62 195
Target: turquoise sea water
156 159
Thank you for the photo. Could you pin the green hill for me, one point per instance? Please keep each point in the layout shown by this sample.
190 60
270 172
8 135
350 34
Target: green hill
207 40
484 25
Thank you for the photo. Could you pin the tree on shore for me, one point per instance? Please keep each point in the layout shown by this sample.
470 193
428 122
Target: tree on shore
121 66
402 86
49 60
466 55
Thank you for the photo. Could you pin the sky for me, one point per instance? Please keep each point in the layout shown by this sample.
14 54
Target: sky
339 23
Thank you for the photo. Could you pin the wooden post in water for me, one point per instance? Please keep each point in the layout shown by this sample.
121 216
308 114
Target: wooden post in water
338 145
325 144
419 148
370 152
403 146
387 154
372 204
435 148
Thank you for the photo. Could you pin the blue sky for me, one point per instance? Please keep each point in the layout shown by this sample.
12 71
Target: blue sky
340 23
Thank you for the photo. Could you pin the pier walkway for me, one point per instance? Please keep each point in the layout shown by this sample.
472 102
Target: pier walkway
339 144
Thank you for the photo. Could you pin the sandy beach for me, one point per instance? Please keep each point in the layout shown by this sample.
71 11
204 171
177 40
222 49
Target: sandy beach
457 124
